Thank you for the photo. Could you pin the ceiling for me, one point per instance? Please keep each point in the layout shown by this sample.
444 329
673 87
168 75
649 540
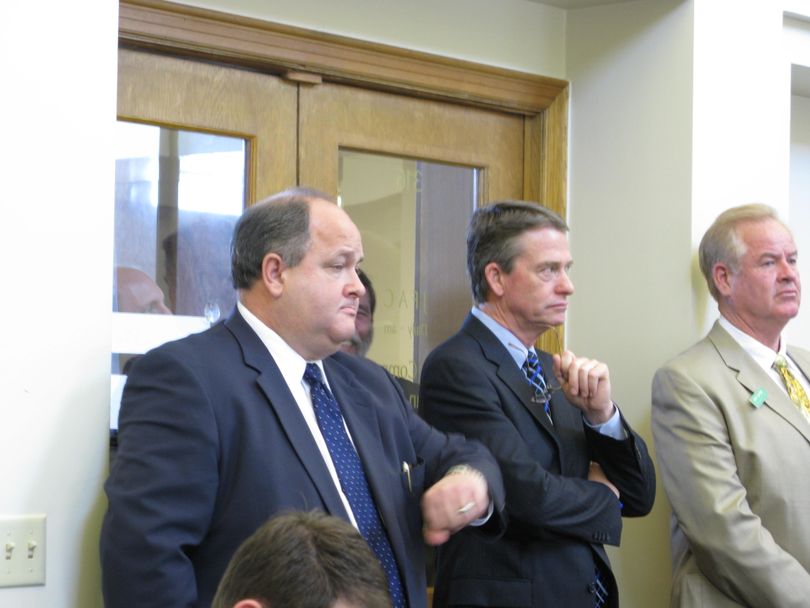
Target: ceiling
568 4
800 75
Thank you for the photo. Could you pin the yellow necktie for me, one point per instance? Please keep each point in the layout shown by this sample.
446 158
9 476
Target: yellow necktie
794 389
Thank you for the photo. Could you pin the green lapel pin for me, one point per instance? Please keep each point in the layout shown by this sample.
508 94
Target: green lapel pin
759 397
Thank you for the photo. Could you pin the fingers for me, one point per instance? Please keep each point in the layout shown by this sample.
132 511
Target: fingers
595 473
580 375
452 503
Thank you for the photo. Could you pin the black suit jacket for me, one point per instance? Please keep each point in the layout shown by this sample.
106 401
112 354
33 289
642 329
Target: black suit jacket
212 443
558 520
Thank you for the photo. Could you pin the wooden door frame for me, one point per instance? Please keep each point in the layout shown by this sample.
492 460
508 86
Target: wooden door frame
307 56
310 56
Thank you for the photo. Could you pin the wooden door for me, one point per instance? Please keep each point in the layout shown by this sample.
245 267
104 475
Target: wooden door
410 172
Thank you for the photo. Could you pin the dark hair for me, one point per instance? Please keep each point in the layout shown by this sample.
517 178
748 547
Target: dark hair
372 297
278 224
304 560
493 237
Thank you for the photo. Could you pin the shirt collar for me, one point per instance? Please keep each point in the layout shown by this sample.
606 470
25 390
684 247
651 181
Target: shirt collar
290 363
505 337
763 355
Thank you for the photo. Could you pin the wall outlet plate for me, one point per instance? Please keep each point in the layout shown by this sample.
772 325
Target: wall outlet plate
22 550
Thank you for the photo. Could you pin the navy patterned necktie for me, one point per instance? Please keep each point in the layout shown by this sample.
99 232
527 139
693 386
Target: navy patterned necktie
353 479
534 374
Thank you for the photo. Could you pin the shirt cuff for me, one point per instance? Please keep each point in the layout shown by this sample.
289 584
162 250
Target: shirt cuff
482 520
612 428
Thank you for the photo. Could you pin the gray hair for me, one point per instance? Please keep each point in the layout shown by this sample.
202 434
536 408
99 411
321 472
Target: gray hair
494 233
722 244
278 224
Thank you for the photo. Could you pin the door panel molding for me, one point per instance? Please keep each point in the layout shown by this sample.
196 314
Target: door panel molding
259 108
277 48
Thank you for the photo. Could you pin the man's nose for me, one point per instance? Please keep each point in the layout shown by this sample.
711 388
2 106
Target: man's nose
566 285
788 271
356 286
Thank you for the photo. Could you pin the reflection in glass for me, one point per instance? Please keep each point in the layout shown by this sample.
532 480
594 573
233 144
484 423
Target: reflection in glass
413 217
178 195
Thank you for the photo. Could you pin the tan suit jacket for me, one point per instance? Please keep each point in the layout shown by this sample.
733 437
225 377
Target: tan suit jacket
737 477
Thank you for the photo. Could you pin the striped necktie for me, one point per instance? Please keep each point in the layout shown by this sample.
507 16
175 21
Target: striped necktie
533 371
353 479
794 388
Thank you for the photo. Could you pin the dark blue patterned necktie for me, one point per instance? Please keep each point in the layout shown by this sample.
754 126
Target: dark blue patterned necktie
353 479
534 374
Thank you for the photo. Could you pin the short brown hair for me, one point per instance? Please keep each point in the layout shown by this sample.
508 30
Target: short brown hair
493 237
280 224
304 560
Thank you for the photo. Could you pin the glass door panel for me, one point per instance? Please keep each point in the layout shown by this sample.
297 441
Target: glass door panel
410 172
178 196
406 210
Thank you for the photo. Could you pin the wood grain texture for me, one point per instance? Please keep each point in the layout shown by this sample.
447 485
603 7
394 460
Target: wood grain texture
335 116
192 95
276 48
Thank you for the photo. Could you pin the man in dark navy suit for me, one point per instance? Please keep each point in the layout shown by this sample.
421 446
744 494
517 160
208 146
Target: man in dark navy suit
572 466
225 428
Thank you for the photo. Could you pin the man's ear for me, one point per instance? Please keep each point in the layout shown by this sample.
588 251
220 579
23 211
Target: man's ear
494 278
272 273
250 604
721 275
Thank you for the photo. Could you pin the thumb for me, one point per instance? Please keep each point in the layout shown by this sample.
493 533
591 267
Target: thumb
556 367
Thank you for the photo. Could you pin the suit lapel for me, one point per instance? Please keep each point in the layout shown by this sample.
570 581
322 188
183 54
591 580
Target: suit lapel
753 378
289 415
509 373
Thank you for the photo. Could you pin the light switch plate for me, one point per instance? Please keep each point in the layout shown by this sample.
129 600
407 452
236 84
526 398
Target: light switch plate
22 550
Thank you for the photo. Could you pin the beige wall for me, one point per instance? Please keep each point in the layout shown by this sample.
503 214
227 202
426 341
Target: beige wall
691 118
630 67
515 34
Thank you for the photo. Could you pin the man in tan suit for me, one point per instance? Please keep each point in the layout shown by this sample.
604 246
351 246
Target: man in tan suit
732 436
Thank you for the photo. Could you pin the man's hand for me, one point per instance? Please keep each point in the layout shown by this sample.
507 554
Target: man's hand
586 384
595 473
451 503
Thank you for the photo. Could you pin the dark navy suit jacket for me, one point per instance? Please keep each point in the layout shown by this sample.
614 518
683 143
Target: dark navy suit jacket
558 520
212 443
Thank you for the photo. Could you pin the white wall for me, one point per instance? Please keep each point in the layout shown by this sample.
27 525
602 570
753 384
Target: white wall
630 67
742 113
58 108
797 49
515 34
799 212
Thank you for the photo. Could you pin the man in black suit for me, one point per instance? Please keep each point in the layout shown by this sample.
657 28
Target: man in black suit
572 466
225 428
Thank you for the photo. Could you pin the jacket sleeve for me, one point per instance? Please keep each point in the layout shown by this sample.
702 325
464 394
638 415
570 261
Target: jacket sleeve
161 488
